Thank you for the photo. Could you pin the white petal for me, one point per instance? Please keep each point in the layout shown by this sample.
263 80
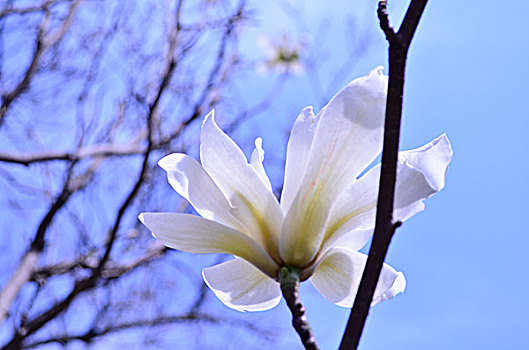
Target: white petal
420 174
256 161
193 234
348 137
240 286
399 284
298 149
191 181
345 237
338 275
353 212
423 174
254 204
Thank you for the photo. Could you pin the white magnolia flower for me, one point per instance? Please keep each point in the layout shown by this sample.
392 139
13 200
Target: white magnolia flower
282 55
326 213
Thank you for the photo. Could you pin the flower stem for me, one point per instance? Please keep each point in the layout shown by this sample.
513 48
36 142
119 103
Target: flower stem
289 281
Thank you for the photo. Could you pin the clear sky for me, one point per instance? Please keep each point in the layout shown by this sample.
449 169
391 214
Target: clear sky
465 256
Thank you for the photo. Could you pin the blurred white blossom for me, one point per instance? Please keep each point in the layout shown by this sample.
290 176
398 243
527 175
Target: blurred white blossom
283 56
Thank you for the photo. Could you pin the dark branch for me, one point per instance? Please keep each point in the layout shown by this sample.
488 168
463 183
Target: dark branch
126 204
101 266
133 148
94 151
28 264
22 11
43 42
411 21
89 263
94 333
92 281
198 109
385 227
384 22
10 96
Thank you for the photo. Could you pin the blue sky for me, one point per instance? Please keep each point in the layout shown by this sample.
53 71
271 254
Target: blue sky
465 256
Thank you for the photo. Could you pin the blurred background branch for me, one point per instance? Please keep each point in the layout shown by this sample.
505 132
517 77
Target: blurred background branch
93 94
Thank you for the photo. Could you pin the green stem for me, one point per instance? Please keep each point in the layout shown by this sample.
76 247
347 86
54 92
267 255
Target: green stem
289 281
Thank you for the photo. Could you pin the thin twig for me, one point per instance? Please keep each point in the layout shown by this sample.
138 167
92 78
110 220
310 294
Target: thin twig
29 262
103 150
111 271
289 280
22 11
385 227
134 147
92 334
43 42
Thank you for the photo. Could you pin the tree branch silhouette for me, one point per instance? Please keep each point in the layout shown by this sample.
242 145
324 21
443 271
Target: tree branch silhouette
42 42
399 43
79 81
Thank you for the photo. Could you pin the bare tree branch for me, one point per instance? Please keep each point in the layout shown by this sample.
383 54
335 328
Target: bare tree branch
95 151
385 227
111 271
22 11
198 109
93 334
116 84
91 281
43 41
29 262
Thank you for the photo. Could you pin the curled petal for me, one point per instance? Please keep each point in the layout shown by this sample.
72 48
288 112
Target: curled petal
347 139
399 284
240 286
420 174
298 149
194 234
252 201
423 174
338 275
191 181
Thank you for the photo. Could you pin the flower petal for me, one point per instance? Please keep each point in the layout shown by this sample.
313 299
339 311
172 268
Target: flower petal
191 181
398 286
347 139
346 237
256 160
298 149
193 234
240 286
338 275
420 174
423 175
254 204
